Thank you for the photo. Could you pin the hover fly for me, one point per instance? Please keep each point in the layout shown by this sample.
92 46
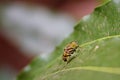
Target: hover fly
69 49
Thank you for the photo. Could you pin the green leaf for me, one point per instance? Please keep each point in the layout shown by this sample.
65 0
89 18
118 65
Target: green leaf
102 2
98 35
98 58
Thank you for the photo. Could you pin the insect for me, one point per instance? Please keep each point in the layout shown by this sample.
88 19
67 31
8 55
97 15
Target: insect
69 50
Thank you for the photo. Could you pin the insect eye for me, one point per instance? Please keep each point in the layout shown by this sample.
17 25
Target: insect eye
65 59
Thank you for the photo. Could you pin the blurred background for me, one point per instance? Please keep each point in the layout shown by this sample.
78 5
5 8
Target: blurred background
30 28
